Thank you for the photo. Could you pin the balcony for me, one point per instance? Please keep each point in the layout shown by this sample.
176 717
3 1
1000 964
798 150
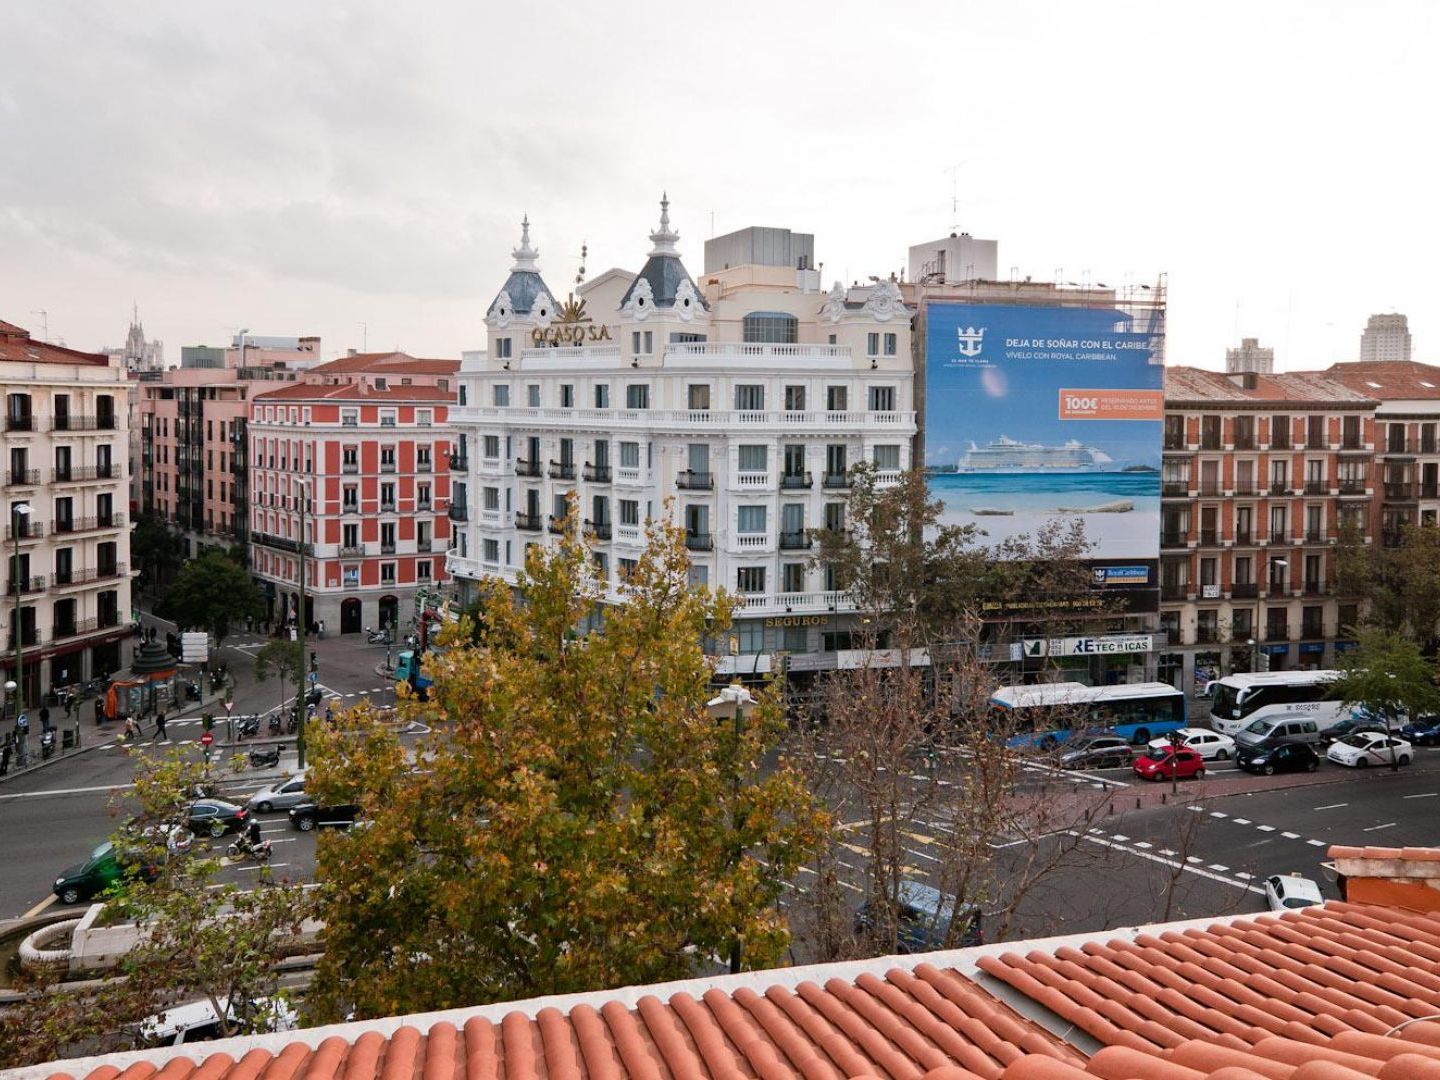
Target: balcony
557 525
423 465
1400 447
1207 635
77 474
387 506
352 551
282 543
1245 488
796 481
28 637
20 423
690 480
796 541
1209 537
1245 442
597 474
457 512
1314 588
1316 487
1312 631
1430 491
423 504
22 477
1351 443
1277 633
835 481
74 628
1244 590
1403 492
388 467
424 545
1352 487
1174 590
601 529
26 585
29 530
1173 539
461 463
699 541
1175 441
1281 441
523 467
1314 443
88 524
1391 538
350 508
1279 487
562 470
1211 488
387 547
1210 442
527 522
350 467
1174 489
1316 536
76 423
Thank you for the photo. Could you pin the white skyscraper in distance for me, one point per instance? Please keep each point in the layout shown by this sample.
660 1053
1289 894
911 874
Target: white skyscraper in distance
1386 337
1250 358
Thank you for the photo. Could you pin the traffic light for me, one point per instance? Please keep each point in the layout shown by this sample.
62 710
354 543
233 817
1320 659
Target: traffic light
207 721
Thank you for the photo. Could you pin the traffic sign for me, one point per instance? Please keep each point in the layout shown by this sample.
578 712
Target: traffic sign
314 677
206 739
229 706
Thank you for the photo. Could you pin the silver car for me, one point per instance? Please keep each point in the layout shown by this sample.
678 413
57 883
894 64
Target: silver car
280 795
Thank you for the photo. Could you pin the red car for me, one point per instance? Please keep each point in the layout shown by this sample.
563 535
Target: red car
1169 764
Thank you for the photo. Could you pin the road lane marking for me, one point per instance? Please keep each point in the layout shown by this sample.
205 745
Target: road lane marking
1242 821
1333 806
1427 795
68 791
1219 868
1315 843
40 907
1219 814
1233 883
1291 835
1377 828
1266 828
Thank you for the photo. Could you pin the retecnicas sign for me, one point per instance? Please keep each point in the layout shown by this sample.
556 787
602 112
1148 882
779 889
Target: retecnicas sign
1110 645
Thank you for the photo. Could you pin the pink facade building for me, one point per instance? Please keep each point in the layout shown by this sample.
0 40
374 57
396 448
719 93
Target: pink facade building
367 438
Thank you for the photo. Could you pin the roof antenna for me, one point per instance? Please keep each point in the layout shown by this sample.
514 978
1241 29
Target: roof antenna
580 274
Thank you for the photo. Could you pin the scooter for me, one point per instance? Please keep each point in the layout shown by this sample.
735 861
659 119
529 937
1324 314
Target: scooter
274 723
249 727
192 690
378 637
241 848
265 759
47 743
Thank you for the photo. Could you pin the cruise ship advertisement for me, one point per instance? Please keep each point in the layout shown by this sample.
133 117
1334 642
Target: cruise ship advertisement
1040 413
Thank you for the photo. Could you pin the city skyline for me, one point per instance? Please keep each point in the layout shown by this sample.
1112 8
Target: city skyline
368 169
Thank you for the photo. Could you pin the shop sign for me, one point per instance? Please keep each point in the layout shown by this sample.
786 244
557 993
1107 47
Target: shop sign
571 327
797 620
1109 645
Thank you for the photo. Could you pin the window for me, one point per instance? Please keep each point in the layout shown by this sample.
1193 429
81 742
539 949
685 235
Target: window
629 512
795 639
792 577
642 343
882 399
567 395
381 383
751 520
649 342
424 417
626 567
532 395
754 458
794 399
637 396
629 455
422 495
835 516
750 579
503 348
887 458
750 637
387 457
422 570
774 327
387 417
697 397
491 446
837 398
500 395
602 395
351 500
750 397
872 344
387 573
491 497
698 576
891 342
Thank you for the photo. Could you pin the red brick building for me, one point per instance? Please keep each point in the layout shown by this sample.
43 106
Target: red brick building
367 436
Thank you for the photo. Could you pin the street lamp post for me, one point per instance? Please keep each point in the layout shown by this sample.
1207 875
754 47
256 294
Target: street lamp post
17 513
737 701
302 693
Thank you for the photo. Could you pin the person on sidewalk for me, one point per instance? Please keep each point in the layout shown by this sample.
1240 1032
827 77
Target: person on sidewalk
44 718
5 751
160 726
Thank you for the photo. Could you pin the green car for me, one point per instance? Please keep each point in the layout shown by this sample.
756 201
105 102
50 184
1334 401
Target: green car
91 877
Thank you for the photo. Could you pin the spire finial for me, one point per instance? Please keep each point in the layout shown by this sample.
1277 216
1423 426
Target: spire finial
664 237
525 255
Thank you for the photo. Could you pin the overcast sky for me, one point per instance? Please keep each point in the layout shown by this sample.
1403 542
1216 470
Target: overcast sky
302 168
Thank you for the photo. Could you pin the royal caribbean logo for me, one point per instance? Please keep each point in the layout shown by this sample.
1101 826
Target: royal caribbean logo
1122 575
971 340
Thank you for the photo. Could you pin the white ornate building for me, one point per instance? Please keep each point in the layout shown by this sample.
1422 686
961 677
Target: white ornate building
741 403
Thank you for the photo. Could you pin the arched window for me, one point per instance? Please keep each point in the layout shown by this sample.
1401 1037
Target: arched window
774 327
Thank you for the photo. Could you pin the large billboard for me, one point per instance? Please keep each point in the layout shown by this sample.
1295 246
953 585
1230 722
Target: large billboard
1048 413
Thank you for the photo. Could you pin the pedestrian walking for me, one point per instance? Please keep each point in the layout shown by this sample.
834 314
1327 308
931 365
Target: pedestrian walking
44 718
99 712
160 726
5 751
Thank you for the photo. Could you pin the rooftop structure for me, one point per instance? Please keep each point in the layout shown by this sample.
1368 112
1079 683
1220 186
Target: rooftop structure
1249 357
1386 337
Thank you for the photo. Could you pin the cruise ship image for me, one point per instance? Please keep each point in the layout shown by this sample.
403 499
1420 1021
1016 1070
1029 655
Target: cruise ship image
1006 455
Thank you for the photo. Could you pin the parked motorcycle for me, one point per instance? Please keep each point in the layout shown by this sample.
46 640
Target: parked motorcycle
274 723
268 758
242 848
378 637
47 743
249 727
192 690
292 723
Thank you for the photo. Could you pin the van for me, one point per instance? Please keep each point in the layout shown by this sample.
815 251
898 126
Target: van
1275 730
923 919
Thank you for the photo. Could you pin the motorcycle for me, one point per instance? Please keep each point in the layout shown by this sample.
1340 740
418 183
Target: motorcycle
249 727
274 723
47 743
192 690
268 758
378 637
242 848
292 723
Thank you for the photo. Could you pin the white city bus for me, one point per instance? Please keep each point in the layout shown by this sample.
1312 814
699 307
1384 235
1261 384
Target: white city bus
1045 714
1239 700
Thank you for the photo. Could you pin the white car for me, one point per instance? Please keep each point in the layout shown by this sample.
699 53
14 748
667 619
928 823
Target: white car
197 1021
281 795
1366 748
1210 745
1286 892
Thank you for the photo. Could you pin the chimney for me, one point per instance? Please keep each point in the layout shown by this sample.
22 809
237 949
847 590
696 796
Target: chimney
351 352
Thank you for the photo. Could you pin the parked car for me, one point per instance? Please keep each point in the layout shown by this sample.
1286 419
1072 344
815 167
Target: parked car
1210 745
1096 752
1272 730
922 923
1423 732
94 875
1370 748
1286 757
197 1021
1170 764
280 795
1351 725
1286 892
215 817
307 816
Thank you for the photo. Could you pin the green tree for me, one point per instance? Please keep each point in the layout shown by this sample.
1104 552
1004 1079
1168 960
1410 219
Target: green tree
185 948
582 819
1389 678
1400 585
283 658
157 551
211 593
